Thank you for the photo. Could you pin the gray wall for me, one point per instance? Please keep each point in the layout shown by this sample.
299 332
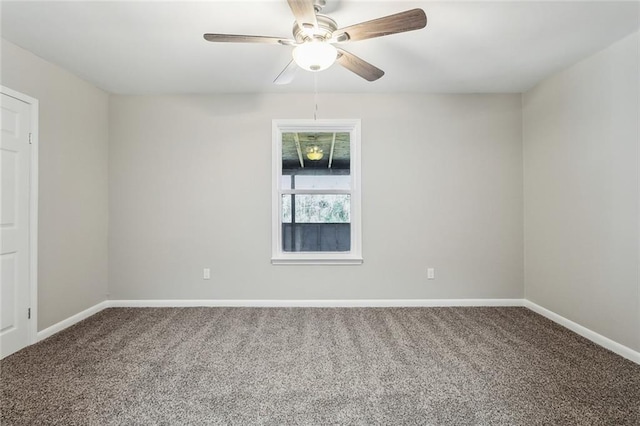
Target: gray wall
190 187
72 229
581 193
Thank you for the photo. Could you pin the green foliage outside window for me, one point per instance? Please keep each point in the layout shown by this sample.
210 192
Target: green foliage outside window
325 208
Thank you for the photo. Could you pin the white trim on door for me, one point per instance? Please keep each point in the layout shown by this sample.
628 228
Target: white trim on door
33 208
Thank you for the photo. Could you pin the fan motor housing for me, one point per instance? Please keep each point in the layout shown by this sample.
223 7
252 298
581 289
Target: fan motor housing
326 27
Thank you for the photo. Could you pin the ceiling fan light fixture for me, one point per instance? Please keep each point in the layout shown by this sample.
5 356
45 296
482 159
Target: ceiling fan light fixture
314 153
315 55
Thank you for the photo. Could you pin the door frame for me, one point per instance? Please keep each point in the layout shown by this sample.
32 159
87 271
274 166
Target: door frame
33 209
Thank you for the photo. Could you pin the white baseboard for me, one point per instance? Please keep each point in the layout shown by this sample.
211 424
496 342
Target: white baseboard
50 331
596 338
354 303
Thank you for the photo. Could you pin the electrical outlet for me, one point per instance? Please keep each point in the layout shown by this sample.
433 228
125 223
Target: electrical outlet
431 273
206 274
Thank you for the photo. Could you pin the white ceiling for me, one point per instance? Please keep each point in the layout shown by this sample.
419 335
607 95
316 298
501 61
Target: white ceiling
148 47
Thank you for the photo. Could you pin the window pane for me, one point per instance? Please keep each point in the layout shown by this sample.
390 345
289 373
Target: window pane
286 208
320 160
316 208
316 237
316 222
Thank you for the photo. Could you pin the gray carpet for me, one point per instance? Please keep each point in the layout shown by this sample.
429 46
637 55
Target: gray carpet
441 366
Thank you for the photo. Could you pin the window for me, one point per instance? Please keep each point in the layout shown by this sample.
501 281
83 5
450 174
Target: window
316 192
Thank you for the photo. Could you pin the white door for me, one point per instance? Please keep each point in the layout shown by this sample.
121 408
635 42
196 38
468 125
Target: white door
15 157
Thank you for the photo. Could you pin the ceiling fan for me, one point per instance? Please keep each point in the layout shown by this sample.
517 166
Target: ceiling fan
314 36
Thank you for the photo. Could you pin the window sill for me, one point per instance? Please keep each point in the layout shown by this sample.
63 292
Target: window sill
314 260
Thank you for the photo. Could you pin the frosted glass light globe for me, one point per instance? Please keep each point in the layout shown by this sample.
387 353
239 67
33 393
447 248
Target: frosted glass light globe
315 55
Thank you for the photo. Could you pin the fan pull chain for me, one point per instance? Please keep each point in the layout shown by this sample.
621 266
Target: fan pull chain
315 95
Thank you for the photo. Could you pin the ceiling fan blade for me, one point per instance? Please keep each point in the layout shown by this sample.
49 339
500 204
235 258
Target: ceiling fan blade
356 65
409 20
287 75
237 38
304 13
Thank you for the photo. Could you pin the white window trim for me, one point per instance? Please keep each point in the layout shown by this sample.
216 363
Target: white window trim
280 257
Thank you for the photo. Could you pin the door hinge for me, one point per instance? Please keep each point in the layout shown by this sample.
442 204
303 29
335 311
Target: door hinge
30 141
29 313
